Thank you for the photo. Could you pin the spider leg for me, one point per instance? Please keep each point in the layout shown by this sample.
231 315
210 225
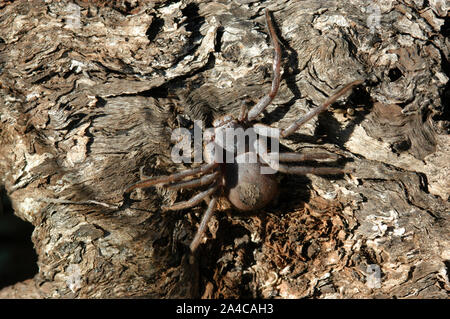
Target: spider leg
273 160
303 170
194 201
262 104
296 125
203 224
204 180
298 157
155 180
243 112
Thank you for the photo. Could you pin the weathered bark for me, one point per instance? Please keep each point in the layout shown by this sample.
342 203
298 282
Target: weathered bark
91 92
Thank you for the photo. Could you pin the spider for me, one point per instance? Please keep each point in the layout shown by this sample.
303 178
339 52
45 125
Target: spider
241 181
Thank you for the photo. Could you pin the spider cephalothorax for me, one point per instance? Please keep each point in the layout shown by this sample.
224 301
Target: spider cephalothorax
243 179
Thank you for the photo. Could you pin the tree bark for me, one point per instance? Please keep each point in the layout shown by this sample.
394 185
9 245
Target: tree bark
90 92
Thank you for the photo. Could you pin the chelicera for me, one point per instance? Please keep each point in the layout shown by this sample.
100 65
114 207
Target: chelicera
241 181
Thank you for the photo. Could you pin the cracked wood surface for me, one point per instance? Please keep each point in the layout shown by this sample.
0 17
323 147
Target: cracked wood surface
91 92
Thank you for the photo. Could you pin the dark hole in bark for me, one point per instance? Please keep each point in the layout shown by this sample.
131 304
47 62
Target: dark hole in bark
18 259
194 20
445 28
154 29
395 74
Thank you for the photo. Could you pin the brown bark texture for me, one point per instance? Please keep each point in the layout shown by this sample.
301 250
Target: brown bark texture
90 92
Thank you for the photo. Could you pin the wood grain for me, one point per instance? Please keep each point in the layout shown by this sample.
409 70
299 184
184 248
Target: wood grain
90 92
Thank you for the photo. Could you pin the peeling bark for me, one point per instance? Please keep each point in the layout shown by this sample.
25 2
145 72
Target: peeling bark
91 92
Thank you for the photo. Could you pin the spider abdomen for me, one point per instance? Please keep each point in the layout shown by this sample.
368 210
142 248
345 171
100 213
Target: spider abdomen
246 188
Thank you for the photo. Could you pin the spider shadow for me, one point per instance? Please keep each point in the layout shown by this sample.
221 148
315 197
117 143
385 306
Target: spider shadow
291 56
328 130
327 124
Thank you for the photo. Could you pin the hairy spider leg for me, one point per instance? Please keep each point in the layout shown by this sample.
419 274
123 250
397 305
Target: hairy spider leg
203 224
303 170
194 201
288 169
297 124
299 157
243 113
197 182
265 101
268 131
155 180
